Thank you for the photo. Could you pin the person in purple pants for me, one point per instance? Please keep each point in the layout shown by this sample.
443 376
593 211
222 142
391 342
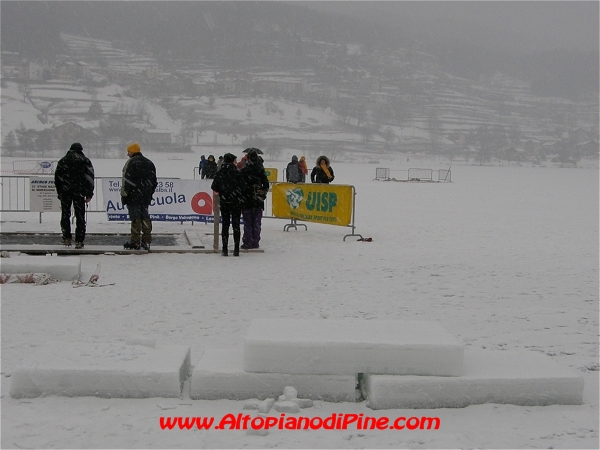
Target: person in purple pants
256 178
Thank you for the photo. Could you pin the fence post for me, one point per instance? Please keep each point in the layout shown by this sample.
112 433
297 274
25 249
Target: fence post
353 215
217 216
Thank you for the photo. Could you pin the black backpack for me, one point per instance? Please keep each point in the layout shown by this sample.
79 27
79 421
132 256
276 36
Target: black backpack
294 173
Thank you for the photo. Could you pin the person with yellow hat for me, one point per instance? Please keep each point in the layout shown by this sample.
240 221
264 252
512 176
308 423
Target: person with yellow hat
137 188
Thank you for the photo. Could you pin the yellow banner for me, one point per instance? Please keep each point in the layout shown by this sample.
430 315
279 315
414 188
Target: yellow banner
271 173
322 203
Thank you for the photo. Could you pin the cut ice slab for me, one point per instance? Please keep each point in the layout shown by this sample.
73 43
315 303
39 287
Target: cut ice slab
351 346
65 268
102 370
508 377
220 374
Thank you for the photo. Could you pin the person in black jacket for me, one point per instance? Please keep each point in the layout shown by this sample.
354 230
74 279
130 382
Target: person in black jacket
229 184
74 182
210 168
137 187
258 186
322 172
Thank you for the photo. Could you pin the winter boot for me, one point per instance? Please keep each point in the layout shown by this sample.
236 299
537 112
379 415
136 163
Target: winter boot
225 243
131 245
79 244
236 249
145 245
66 242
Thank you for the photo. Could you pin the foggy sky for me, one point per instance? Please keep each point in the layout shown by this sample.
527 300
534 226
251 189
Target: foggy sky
520 26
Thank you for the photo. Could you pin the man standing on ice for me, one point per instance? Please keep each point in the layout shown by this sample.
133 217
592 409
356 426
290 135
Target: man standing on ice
137 187
74 181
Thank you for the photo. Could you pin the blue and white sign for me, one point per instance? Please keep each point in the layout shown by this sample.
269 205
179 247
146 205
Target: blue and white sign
174 200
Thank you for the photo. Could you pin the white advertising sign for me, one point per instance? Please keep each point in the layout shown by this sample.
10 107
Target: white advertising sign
42 195
174 200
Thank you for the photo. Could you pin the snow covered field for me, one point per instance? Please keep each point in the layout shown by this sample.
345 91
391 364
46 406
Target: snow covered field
503 257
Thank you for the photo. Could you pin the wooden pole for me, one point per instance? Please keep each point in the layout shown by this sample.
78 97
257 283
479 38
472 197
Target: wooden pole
217 216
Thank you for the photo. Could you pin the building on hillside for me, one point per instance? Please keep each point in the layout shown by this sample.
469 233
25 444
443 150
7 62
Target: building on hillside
156 136
277 85
69 70
30 70
70 132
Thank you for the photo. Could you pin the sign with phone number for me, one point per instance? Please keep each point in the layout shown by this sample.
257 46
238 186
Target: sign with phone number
174 200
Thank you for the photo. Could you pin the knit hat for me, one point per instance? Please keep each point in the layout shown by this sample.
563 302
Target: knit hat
294 159
229 158
134 148
77 146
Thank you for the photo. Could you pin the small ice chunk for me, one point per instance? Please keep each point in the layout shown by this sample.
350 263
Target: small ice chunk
266 405
287 407
290 392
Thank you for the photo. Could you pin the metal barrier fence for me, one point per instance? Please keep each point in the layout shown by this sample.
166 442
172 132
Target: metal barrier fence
420 174
15 195
15 191
444 175
382 173
414 174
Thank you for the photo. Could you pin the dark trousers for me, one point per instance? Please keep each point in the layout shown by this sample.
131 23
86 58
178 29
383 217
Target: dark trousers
78 203
252 227
141 225
230 216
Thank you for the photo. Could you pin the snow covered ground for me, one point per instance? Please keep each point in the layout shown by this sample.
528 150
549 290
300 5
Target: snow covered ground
502 257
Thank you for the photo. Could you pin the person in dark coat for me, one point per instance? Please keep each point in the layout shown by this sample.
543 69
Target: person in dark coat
293 171
74 182
137 188
258 186
322 172
229 184
210 168
201 166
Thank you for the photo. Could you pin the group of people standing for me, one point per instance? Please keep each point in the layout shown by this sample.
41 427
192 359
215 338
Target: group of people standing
208 167
74 182
242 189
296 171
242 193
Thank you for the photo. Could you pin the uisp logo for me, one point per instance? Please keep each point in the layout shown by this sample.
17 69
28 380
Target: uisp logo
294 197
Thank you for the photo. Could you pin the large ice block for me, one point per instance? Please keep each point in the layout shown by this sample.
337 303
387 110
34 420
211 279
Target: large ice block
509 377
220 374
102 370
351 346
66 268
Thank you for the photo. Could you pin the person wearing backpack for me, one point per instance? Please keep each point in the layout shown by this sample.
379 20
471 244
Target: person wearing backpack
293 172
252 211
